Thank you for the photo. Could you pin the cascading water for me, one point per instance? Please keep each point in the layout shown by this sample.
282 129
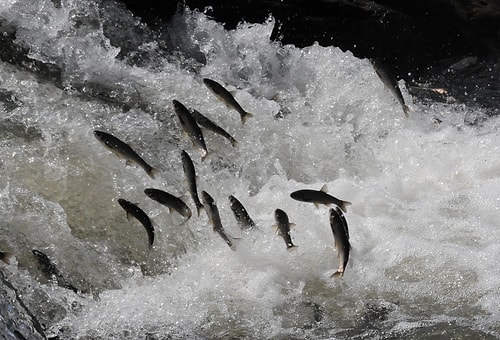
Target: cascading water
424 190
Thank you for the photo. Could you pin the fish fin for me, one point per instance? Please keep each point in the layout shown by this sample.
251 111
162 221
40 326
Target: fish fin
187 219
324 188
234 242
169 210
316 205
405 110
199 208
344 206
275 228
128 216
292 247
153 172
234 142
204 155
337 274
8 258
245 117
292 225
129 163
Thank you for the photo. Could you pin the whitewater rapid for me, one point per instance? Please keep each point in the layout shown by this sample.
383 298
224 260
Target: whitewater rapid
424 190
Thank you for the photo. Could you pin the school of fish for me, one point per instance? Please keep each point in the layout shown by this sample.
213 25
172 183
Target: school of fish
191 123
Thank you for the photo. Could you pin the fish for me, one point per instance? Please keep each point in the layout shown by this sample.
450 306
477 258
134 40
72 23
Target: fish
190 173
391 83
49 269
140 215
170 201
214 219
283 226
6 257
240 213
319 197
227 98
340 231
209 125
122 150
190 127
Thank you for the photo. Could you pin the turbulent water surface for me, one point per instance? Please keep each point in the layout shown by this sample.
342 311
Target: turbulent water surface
424 190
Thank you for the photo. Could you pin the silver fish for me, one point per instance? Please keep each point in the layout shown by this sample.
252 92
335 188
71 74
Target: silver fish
227 98
190 127
214 219
283 226
122 150
340 231
169 201
391 83
190 174
140 215
50 271
319 197
241 214
209 125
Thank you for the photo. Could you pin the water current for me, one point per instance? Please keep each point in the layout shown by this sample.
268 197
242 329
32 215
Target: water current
424 190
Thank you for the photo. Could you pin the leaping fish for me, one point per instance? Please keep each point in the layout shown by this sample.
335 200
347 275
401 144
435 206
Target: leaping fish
209 125
319 197
122 150
49 269
340 231
283 226
214 219
391 83
227 98
170 201
189 171
190 127
240 213
140 215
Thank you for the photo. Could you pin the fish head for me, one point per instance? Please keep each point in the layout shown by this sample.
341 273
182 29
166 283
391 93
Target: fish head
124 203
99 135
150 192
206 198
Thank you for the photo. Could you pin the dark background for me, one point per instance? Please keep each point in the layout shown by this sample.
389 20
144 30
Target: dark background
420 41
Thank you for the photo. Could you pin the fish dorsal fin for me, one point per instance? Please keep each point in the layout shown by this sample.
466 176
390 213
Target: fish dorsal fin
324 188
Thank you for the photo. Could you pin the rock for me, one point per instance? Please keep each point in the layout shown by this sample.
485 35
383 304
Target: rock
16 321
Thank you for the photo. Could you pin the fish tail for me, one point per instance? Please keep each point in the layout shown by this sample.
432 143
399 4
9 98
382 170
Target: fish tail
199 208
338 273
204 155
187 219
233 141
7 258
234 242
406 109
344 205
153 172
291 247
245 117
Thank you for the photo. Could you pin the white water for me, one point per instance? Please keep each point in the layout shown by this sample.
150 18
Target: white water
423 220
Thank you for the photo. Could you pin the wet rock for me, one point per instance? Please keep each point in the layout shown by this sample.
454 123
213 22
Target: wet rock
16 321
